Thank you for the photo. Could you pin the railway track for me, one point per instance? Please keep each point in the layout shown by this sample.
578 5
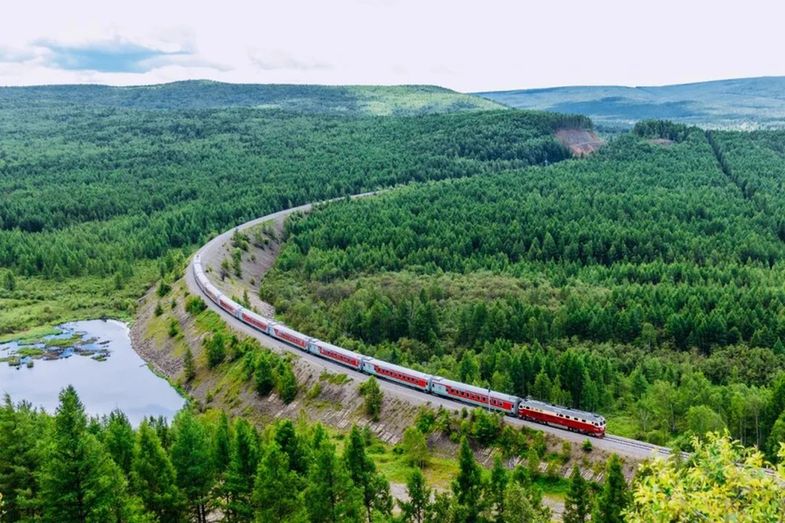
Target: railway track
212 253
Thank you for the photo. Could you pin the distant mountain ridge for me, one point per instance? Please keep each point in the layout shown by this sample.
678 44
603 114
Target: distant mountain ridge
743 103
203 94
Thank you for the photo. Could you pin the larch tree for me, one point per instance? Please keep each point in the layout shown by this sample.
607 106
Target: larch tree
331 494
241 472
374 488
277 490
577 505
153 476
467 486
193 462
614 497
418 508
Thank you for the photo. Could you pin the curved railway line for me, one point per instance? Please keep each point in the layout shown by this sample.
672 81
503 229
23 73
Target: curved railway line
209 257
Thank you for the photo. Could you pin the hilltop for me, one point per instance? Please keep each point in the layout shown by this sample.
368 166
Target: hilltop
745 103
399 100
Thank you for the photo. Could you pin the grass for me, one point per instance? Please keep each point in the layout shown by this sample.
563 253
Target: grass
37 304
622 425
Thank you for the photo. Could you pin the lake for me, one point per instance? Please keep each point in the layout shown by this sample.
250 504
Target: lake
108 374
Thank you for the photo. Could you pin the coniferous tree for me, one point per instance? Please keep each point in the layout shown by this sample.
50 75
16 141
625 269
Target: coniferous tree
119 440
22 430
277 490
373 398
577 505
331 495
467 486
614 497
289 441
79 480
153 476
373 487
189 366
418 508
192 461
263 375
287 382
241 473
496 489
222 446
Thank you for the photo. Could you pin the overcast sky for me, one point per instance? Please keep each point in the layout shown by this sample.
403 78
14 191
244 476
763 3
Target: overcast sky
467 46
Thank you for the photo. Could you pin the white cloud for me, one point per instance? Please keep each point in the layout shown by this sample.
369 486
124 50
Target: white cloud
460 44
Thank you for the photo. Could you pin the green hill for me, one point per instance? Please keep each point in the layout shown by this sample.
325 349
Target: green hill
746 103
199 94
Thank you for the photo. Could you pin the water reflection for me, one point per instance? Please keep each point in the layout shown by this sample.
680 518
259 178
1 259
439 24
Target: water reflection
121 380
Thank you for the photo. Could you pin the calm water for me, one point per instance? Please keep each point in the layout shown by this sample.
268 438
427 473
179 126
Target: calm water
121 381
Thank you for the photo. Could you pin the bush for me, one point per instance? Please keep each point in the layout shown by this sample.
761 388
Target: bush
194 305
587 446
373 398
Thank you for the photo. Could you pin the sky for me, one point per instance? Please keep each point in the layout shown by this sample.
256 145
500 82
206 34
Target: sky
467 46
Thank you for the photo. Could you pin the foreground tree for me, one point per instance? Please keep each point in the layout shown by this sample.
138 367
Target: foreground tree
119 440
722 481
418 508
21 431
242 470
277 489
614 497
331 495
79 480
153 476
577 505
191 457
373 486
467 486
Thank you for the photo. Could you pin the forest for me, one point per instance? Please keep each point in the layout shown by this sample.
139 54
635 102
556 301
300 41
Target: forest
68 467
96 197
644 282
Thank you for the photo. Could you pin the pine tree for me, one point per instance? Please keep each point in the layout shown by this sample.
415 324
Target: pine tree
216 350
79 480
614 497
331 495
287 439
192 461
153 476
577 506
373 398
467 486
118 439
496 489
277 491
263 375
222 445
241 472
21 432
287 382
418 508
374 488
189 366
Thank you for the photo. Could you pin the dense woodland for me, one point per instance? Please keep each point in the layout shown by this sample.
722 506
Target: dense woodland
102 194
644 281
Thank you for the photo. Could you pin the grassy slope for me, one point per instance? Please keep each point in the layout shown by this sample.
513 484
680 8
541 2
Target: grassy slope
736 104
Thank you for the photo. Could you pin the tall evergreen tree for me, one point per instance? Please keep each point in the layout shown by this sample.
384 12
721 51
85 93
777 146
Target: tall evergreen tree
79 480
118 439
287 382
496 489
467 486
22 431
241 472
153 476
263 375
418 508
373 398
192 461
331 495
287 438
277 491
222 446
577 505
615 496
374 488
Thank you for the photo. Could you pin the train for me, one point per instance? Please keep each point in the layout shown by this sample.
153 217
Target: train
587 423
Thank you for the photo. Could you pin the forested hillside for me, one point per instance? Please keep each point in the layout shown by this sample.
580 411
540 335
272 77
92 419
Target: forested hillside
202 94
96 198
644 281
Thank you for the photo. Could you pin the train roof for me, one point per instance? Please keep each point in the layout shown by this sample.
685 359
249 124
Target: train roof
398 368
474 388
336 348
564 411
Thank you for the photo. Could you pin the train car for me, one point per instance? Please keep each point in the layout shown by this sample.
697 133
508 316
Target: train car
336 354
575 420
478 396
291 336
254 320
228 305
398 374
